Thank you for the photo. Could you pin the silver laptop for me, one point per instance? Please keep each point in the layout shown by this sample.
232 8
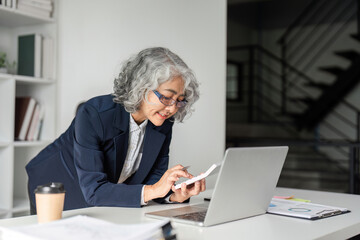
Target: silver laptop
244 188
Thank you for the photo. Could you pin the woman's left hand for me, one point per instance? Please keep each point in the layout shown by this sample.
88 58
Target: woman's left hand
185 192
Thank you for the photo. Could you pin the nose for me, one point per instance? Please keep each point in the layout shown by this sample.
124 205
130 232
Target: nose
172 109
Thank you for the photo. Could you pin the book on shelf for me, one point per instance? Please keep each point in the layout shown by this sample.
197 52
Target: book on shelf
47 58
33 123
39 124
29 55
8 3
24 108
39 8
29 118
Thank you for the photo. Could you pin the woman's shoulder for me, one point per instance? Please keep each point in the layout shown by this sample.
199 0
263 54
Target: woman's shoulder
102 103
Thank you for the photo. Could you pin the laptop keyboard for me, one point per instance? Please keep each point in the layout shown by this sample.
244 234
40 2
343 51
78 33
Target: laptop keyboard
194 216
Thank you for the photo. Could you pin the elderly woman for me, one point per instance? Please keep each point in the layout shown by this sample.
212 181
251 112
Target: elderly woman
116 150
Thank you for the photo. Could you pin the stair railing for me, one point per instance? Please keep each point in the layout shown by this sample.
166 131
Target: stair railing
302 45
260 61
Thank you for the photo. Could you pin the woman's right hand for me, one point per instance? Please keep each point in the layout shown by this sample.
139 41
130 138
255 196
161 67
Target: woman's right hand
163 186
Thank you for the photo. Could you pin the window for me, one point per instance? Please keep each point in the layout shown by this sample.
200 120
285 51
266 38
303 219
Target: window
234 79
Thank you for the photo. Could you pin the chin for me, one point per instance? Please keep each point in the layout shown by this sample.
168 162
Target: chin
157 122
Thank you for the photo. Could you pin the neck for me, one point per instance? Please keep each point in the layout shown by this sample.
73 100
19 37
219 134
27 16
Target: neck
138 118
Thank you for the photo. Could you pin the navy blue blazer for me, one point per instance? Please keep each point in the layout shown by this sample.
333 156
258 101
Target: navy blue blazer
89 156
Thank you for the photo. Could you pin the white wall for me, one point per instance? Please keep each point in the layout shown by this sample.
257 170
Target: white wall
95 36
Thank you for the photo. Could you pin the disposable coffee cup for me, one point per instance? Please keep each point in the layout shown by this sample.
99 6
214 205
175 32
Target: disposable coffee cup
49 201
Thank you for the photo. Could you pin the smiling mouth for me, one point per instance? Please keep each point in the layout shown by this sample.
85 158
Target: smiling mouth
162 116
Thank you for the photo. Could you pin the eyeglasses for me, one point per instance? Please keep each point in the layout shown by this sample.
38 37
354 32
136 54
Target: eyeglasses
169 101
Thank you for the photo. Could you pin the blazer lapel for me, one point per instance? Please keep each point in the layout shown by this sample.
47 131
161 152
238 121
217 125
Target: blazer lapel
153 141
121 122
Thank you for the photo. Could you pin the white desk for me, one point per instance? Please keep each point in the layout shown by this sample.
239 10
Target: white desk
266 226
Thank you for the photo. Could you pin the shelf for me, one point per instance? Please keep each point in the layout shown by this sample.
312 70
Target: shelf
10 17
4 144
3 212
26 79
14 155
5 76
21 205
31 143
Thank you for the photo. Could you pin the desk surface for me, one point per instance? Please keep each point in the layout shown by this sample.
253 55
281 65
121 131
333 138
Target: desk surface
266 226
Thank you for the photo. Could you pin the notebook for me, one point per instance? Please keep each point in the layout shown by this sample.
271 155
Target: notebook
244 188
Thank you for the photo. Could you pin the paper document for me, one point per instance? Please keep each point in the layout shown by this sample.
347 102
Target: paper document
82 227
212 170
303 209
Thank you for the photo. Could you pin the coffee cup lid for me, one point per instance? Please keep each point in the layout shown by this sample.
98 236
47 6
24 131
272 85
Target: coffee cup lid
52 187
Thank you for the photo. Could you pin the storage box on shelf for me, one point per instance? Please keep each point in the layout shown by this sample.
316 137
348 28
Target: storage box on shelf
14 155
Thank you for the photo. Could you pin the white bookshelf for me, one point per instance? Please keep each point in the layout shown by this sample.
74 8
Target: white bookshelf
26 79
19 144
4 144
14 155
5 213
11 17
20 205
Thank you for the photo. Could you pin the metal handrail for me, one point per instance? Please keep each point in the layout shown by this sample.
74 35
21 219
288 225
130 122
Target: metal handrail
315 9
353 151
273 56
311 11
351 106
311 34
331 39
300 90
308 9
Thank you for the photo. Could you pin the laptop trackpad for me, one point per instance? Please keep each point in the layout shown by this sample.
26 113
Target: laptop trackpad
181 210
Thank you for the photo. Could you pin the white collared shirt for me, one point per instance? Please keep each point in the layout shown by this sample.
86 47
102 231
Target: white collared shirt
134 152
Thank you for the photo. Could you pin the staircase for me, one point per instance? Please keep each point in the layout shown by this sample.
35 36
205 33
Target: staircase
285 105
304 45
332 94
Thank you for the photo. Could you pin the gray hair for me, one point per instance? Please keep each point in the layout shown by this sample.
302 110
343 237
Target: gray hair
148 69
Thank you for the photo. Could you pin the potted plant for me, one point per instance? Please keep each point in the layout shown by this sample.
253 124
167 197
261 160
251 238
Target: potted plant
5 65
3 61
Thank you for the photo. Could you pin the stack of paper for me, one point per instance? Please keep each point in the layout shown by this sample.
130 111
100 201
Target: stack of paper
83 227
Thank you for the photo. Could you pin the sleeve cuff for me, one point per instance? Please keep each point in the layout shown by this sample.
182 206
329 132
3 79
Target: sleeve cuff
143 203
167 199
